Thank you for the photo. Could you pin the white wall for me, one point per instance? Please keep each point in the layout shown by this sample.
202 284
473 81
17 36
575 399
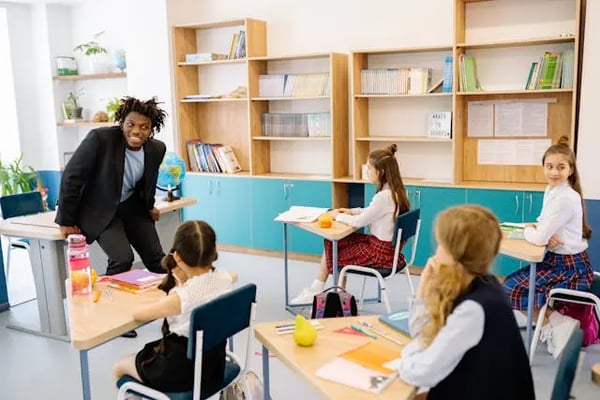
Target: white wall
588 146
10 148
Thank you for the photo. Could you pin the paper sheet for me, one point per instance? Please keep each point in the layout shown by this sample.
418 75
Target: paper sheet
481 119
301 214
511 151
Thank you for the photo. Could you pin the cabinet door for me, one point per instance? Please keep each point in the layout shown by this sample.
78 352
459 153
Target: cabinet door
203 189
233 211
312 194
507 205
432 200
269 198
532 205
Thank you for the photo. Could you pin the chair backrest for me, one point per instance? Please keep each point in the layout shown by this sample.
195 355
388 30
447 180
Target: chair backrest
595 288
567 367
221 318
21 204
408 223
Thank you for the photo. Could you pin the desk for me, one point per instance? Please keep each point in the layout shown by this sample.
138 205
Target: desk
47 255
334 234
525 251
92 324
305 361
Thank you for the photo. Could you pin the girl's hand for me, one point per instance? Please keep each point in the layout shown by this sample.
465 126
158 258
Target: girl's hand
345 211
553 242
529 226
333 213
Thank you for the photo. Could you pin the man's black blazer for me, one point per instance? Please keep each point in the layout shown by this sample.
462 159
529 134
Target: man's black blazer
90 187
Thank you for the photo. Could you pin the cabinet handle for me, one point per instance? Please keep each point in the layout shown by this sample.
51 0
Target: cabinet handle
285 191
418 195
218 188
516 204
530 202
210 186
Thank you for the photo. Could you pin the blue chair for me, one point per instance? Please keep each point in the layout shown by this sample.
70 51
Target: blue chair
567 368
17 205
407 228
211 324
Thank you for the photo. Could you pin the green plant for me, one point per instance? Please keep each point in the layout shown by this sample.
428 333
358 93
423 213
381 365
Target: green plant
111 108
70 107
92 47
16 177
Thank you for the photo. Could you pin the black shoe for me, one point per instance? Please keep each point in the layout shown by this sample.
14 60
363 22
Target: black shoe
131 334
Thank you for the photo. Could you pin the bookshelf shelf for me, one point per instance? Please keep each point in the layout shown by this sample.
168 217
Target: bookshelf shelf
406 50
295 176
287 98
108 75
422 139
87 124
219 100
212 62
517 43
391 96
514 92
293 139
241 174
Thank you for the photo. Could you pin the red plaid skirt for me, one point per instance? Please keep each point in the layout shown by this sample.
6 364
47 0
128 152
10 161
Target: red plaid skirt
571 271
362 249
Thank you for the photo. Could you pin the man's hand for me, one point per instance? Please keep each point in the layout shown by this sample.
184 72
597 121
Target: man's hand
154 214
68 230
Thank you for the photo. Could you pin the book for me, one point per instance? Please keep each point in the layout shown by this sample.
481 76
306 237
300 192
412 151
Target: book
511 226
397 320
362 368
301 214
136 280
228 157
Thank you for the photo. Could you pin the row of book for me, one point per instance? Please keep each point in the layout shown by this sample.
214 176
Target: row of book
207 157
238 45
296 124
294 85
467 73
395 81
552 71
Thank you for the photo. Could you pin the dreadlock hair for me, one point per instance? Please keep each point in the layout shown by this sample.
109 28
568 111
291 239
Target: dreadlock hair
148 108
196 244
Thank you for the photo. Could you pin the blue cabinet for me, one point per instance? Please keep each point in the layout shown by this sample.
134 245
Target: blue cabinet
271 197
224 203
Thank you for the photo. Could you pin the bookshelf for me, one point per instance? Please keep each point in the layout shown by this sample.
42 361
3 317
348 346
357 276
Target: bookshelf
317 158
222 119
505 38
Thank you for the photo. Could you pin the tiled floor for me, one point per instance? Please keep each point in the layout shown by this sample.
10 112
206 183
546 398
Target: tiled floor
34 367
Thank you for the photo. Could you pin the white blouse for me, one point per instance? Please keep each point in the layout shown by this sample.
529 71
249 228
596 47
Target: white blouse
562 214
379 215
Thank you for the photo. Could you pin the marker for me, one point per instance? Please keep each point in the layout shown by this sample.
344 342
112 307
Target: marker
380 332
361 330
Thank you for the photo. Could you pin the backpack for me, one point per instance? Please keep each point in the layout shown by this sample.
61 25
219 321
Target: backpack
584 313
331 303
248 387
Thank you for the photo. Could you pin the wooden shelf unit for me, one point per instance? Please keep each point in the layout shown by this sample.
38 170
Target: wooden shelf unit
220 120
513 48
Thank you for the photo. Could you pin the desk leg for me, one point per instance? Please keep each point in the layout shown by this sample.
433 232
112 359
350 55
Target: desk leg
530 303
285 265
49 270
265 367
334 261
85 374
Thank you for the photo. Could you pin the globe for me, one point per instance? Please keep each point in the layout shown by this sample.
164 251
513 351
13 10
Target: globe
170 173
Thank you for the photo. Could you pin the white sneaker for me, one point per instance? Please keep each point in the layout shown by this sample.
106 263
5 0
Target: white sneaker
563 327
307 294
546 336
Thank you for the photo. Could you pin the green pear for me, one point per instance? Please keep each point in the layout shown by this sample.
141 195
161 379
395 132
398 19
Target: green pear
305 333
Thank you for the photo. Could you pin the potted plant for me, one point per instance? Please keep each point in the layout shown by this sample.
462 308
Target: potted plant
94 50
111 108
16 177
71 108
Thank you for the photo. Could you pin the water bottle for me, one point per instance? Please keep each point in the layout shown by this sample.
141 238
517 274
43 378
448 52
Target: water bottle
79 264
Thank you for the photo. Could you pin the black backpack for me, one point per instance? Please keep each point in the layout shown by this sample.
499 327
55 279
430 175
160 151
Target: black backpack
334 302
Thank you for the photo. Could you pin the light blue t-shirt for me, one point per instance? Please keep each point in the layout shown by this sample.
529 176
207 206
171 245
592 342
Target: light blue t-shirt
133 172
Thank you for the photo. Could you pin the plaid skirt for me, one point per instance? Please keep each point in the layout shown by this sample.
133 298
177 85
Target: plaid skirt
362 249
572 271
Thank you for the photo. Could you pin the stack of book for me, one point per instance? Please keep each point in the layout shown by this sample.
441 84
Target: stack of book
393 81
467 73
552 71
294 85
136 280
296 124
212 157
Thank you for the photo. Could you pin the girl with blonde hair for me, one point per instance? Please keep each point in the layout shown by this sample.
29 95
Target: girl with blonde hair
465 336
373 250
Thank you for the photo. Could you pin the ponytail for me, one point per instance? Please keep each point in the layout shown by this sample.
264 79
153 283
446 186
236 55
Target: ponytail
168 263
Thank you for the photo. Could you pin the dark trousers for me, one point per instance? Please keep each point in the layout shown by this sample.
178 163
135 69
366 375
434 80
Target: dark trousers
131 226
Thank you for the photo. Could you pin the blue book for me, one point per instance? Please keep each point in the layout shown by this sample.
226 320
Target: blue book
447 85
397 320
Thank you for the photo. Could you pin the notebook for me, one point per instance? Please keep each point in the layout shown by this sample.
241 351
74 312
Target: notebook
397 320
136 280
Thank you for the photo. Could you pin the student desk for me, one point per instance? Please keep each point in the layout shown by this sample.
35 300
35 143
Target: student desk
305 361
334 234
48 262
525 251
92 324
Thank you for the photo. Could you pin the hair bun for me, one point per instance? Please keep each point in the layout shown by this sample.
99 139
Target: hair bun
564 140
392 148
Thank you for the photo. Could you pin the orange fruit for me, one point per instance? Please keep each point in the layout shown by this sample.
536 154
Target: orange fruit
325 221
79 280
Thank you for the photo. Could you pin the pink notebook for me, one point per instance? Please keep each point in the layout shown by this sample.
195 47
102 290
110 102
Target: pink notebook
137 278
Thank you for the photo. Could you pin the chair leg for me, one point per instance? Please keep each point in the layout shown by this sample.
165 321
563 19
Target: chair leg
536 333
362 294
386 301
8 261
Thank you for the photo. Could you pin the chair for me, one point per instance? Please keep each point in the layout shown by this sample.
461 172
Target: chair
567 368
407 227
211 323
17 205
570 296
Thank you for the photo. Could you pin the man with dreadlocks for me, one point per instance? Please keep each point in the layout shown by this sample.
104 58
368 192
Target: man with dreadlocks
107 188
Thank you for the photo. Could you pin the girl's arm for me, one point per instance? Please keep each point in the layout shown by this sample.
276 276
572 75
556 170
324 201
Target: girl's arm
426 367
165 307
555 216
376 209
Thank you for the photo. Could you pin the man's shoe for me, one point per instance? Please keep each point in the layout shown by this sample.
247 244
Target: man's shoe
131 334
